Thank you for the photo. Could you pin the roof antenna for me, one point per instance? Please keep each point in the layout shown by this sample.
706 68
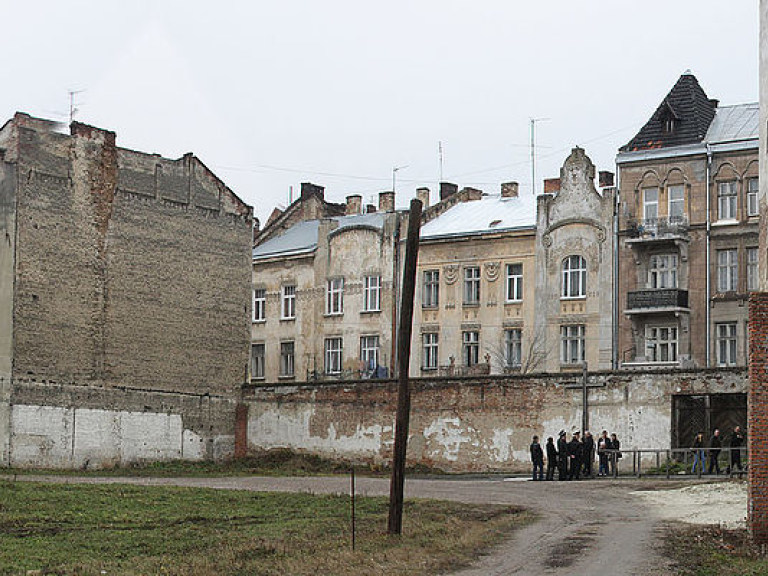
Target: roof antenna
72 109
533 152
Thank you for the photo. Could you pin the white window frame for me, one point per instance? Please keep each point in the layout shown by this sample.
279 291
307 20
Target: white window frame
661 343
334 301
727 270
514 282
430 296
334 350
372 294
572 344
470 347
676 203
753 191
651 205
288 302
259 304
258 360
513 347
574 280
430 348
472 285
753 268
725 341
727 200
287 358
369 352
662 271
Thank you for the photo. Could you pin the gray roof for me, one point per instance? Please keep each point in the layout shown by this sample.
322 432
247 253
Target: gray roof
302 237
492 213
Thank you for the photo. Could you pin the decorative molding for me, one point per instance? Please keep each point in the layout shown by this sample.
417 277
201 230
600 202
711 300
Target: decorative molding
492 270
451 273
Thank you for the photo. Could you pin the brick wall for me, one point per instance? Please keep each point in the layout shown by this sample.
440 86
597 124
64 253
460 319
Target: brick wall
757 410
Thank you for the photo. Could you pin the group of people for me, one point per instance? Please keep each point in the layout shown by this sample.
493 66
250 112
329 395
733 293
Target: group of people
575 458
713 449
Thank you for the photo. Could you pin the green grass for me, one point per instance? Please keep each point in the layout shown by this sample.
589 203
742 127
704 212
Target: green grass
120 529
712 551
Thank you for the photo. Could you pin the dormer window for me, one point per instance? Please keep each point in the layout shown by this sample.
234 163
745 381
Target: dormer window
670 124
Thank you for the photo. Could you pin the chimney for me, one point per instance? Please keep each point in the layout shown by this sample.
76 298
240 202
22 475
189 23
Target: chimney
370 208
386 201
509 189
447 189
354 204
714 102
423 195
308 189
551 185
605 178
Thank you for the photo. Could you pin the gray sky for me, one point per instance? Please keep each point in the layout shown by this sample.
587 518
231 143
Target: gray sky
271 94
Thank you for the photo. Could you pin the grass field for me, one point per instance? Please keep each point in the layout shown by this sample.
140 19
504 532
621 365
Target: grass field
712 551
120 529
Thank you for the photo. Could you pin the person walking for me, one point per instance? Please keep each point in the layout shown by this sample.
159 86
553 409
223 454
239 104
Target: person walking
699 456
615 455
551 458
588 454
715 445
575 452
537 457
603 444
737 441
562 456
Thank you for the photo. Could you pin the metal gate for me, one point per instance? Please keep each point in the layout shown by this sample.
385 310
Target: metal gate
692 415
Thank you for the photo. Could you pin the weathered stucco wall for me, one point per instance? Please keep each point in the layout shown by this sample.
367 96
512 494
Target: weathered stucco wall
7 256
473 424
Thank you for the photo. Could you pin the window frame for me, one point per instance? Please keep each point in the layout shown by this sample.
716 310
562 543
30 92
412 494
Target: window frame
333 356
648 203
334 296
372 293
513 347
753 196
470 348
259 313
288 302
430 342
753 268
514 287
727 200
661 346
569 273
662 271
367 351
287 359
430 289
727 270
471 286
726 343
573 338
258 368
672 218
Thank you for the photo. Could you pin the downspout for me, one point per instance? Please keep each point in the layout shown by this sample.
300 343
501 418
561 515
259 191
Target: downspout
708 266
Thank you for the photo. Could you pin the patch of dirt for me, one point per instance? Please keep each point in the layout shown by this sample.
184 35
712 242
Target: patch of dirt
565 553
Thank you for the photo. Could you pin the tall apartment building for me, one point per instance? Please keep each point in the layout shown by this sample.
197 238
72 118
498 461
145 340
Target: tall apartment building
688 232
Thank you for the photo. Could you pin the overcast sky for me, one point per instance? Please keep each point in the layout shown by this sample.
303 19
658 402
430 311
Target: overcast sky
272 94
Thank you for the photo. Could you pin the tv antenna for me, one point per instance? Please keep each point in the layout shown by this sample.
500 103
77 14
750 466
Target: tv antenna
72 108
533 152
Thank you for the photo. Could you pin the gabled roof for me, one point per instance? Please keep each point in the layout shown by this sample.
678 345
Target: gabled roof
690 109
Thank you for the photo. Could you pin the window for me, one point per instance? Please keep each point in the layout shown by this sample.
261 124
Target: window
259 305
574 277
513 345
727 270
726 200
470 348
676 203
726 343
661 343
752 192
372 294
650 205
333 348
572 340
369 352
287 358
288 311
752 269
472 285
429 343
430 297
257 360
334 303
662 271
514 282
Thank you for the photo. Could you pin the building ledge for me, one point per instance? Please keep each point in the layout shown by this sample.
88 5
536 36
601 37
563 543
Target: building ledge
676 310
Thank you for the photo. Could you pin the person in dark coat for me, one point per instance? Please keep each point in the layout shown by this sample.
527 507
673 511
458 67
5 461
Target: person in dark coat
715 444
588 453
575 451
616 454
737 441
562 457
551 458
603 444
537 457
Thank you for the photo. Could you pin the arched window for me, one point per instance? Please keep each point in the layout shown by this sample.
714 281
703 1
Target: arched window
574 277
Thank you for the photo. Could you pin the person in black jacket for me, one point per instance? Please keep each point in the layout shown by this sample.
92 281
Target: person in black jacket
603 444
616 455
551 458
715 444
537 457
737 441
562 457
588 453
575 451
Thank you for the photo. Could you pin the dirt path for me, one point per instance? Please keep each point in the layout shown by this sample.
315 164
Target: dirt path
587 527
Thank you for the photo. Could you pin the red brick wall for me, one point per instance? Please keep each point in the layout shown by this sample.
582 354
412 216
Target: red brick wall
757 417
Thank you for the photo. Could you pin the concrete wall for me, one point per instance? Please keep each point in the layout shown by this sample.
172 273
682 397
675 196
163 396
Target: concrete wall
473 424
7 257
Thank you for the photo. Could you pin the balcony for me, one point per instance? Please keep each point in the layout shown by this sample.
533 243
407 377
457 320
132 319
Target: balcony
670 300
673 229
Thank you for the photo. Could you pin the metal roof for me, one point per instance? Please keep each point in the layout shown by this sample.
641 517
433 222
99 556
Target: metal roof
490 214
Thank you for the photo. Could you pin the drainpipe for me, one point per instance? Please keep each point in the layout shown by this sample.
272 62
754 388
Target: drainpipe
615 283
708 266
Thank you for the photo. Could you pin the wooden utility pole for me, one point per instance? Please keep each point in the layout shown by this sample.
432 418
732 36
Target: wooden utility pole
397 481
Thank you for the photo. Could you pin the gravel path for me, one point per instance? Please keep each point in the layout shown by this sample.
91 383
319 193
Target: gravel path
587 527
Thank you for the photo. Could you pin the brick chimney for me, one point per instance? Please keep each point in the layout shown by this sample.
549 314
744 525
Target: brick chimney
605 178
509 189
447 189
354 204
551 185
386 201
308 189
423 195
370 208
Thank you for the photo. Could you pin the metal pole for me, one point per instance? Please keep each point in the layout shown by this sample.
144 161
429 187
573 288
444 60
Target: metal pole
397 482
352 489
584 408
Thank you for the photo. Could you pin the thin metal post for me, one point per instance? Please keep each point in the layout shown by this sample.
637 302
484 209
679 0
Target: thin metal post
668 463
584 407
352 492
397 482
